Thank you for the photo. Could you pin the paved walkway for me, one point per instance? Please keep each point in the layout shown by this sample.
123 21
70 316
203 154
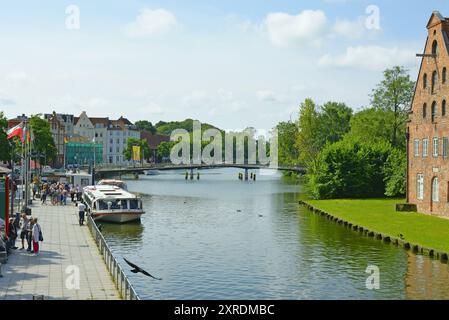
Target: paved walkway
65 244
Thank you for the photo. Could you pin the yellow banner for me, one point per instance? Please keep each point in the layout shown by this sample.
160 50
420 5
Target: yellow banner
136 153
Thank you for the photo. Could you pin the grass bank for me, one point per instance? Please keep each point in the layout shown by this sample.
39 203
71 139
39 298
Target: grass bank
379 215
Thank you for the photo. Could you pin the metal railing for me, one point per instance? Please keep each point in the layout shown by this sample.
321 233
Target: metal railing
119 277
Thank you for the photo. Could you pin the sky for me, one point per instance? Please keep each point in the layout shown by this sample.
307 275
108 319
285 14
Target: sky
231 63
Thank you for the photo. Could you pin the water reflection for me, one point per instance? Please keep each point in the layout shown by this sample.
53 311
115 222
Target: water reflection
426 278
221 238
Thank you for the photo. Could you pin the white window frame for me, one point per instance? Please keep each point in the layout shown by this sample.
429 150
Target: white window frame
416 147
425 147
420 186
445 147
435 147
435 190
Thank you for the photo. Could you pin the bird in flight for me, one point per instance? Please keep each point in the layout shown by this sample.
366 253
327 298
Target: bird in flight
137 269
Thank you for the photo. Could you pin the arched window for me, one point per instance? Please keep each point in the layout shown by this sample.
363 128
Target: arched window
443 108
435 190
424 81
434 81
424 111
444 75
434 111
435 48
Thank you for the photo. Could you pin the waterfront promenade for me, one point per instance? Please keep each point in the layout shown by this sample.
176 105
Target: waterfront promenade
65 244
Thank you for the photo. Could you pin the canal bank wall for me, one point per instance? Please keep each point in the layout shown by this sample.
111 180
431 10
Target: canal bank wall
387 239
121 281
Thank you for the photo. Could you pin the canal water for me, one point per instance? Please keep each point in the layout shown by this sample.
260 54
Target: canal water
222 238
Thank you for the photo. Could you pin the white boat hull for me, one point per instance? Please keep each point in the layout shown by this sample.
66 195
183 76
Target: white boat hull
117 217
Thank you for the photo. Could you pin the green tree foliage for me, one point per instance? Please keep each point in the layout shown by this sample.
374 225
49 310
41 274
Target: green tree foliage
395 173
334 122
142 143
349 169
43 142
287 135
166 128
318 126
394 96
144 125
164 148
370 125
5 148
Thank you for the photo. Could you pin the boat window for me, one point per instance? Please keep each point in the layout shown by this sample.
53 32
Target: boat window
113 204
134 204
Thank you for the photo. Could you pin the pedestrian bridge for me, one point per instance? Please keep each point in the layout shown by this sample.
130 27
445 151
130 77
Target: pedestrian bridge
106 171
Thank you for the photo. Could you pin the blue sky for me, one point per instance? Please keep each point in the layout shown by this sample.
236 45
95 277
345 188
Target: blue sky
233 63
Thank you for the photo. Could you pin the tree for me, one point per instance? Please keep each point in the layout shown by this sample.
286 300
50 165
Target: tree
142 143
287 151
5 148
164 148
394 95
43 142
395 173
334 121
370 125
144 125
320 125
307 143
349 169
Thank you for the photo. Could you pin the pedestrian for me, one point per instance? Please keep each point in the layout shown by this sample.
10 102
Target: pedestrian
12 234
29 231
81 212
36 237
34 188
24 230
44 196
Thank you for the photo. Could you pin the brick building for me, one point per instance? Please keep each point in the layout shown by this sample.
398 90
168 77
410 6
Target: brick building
428 126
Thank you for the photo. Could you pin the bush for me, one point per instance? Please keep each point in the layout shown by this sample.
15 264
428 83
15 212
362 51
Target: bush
395 171
349 169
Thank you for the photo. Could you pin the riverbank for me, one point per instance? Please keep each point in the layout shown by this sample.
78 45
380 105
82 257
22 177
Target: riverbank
67 247
378 218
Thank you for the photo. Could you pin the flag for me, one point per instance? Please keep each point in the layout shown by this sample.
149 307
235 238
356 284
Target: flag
136 153
17 131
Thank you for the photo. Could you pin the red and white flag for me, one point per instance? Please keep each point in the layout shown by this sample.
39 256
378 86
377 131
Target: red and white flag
17 131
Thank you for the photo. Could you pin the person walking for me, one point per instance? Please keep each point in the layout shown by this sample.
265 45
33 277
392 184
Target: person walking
29 231
81 212
24 230
36 237
12 234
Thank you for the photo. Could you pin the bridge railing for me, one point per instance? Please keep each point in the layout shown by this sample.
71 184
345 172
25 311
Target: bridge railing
119 277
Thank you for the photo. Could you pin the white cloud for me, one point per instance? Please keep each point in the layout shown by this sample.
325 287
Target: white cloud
151 22
308 27
374 58
349 29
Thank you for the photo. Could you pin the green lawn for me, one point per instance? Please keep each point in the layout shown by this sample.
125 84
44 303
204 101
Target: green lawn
379 215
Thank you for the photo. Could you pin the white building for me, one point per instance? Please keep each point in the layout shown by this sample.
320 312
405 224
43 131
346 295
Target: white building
112 134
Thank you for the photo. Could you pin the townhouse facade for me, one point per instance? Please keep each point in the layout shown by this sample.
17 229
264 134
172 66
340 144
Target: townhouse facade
428 125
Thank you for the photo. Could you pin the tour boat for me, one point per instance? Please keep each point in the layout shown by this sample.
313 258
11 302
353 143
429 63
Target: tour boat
112 204
113 182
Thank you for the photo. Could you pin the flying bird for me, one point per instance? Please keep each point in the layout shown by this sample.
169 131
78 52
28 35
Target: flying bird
137 269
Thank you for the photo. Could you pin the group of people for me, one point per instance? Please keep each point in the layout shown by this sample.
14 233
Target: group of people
59 192
28 229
